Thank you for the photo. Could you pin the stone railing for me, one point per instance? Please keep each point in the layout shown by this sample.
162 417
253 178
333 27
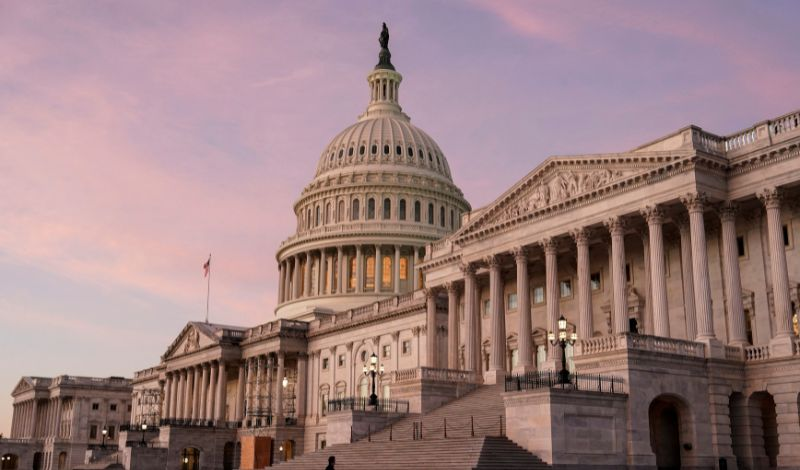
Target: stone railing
742 139
368 226
274 327
709 142
734 353
78 380
436 375
756 353
596 345
140 374
785 124
762 133
640 342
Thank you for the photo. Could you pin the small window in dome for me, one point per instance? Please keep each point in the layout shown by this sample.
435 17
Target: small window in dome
441 216
430 214
417 212
374 149
331 159
402 210
410 152
421 155
350 152
341 153
370 209
430 157
386 150
399 150
361 150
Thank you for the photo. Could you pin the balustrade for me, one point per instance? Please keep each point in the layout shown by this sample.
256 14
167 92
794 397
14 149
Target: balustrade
756 353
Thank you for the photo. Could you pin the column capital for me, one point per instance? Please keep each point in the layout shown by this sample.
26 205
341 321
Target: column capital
452 288
492 261
615 225
727 211
653 214
770 197
340 249
580 235
520 254
430 292
549 245
694 202
467 268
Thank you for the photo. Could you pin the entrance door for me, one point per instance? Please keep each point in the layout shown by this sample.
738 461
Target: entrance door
665 435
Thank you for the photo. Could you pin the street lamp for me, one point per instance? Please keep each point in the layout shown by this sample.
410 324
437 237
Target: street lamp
372 372
285 382
563 374
104 432
144 428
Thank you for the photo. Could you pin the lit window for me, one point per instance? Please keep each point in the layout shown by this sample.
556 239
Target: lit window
406 345
594 280
512 301
386 275
566 288
353 272
403 268
370 272
538 295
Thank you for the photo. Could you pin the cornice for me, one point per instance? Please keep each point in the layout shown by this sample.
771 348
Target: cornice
761 159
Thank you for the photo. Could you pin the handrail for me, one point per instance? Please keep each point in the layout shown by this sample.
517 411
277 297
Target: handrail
551 379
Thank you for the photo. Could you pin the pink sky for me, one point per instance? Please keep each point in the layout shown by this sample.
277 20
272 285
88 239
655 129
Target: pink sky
137 137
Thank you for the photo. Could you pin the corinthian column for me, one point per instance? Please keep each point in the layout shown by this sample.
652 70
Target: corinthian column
658 283
341 285
204 392
359 270
378 269
771 198
210 392
321 275
296 278
497 361
695 204
240 385
222 389
616 227
585 326
279 388
687 278
470 352
525 346
280 282
307 276
167 393
733 282
396 266
551 294
452 326
430 321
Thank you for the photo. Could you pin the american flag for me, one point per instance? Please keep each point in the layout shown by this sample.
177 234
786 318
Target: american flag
207 267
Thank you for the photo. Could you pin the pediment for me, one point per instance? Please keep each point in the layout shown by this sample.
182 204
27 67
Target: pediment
25 384
192 338
559 180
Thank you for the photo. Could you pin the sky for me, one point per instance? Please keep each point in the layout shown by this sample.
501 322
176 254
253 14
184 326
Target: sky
138 137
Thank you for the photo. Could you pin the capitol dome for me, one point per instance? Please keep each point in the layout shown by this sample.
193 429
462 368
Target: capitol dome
382 191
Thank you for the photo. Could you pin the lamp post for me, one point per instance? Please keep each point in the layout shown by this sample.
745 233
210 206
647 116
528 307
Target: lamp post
373 371
563 374
104 432
144 428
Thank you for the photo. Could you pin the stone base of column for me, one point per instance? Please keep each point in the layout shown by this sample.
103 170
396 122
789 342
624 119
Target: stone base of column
524 369
781 346
492 377
714 348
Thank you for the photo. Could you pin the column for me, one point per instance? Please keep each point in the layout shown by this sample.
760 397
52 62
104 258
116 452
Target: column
452 326
306 277
179 394
173 395
302 372
296 278
396 266
57 424
359 270
469 318
551 292
687 278
280 282
187 403
414 269
497 367
279 389
323 269
658 283
585 324
222 388
167 393
695 203
733 281
777 257
269 363
248 408
378 268
345 284
239 410
341 285
332 275
616 227
286 281
257 392
204 392
34 417
647 320
14 422
430 337
210 393
197 412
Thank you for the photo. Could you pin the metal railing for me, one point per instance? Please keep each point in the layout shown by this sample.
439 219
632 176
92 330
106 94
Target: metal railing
188 423
550 379
362 404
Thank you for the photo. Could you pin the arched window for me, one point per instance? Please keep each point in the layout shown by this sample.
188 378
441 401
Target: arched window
341 153
328 215
441 216
319 217
355 211
350 152
370 277
308 219
387 209
410 152
452 219
417 212
370 209
386 272
430 213
361 150
363 387
402 209
399 150
374 149
352 281
340 212
386 150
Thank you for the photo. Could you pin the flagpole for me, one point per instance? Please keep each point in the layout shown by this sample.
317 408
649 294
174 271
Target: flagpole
208 288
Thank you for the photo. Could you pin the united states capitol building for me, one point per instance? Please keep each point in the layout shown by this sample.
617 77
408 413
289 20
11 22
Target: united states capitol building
675 266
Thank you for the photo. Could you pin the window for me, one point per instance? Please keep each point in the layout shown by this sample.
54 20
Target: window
387 209
370 278
111 432
512 301
364 356
441 216
566 288
417 212
328 213
374 149
129 408
354 213
95 406
399 150
341 153
452 219
386 272
786 238
487 307
113 407
628 273
403 268
308 219
514 358
594 280
319 218
386 150
402 209
324 403
430 213
324 363
340 212
93 431
341 360
406 345
740 247
370 209
350 152
353 272
538 295
361 150
410 152
386 351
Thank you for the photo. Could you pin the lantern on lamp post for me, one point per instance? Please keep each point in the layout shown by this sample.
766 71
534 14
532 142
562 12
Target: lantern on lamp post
373 371
563 340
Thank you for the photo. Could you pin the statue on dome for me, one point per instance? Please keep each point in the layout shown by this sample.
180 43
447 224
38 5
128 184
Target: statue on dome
384 57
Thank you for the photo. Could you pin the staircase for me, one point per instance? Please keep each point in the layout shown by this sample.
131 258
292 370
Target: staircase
467 433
